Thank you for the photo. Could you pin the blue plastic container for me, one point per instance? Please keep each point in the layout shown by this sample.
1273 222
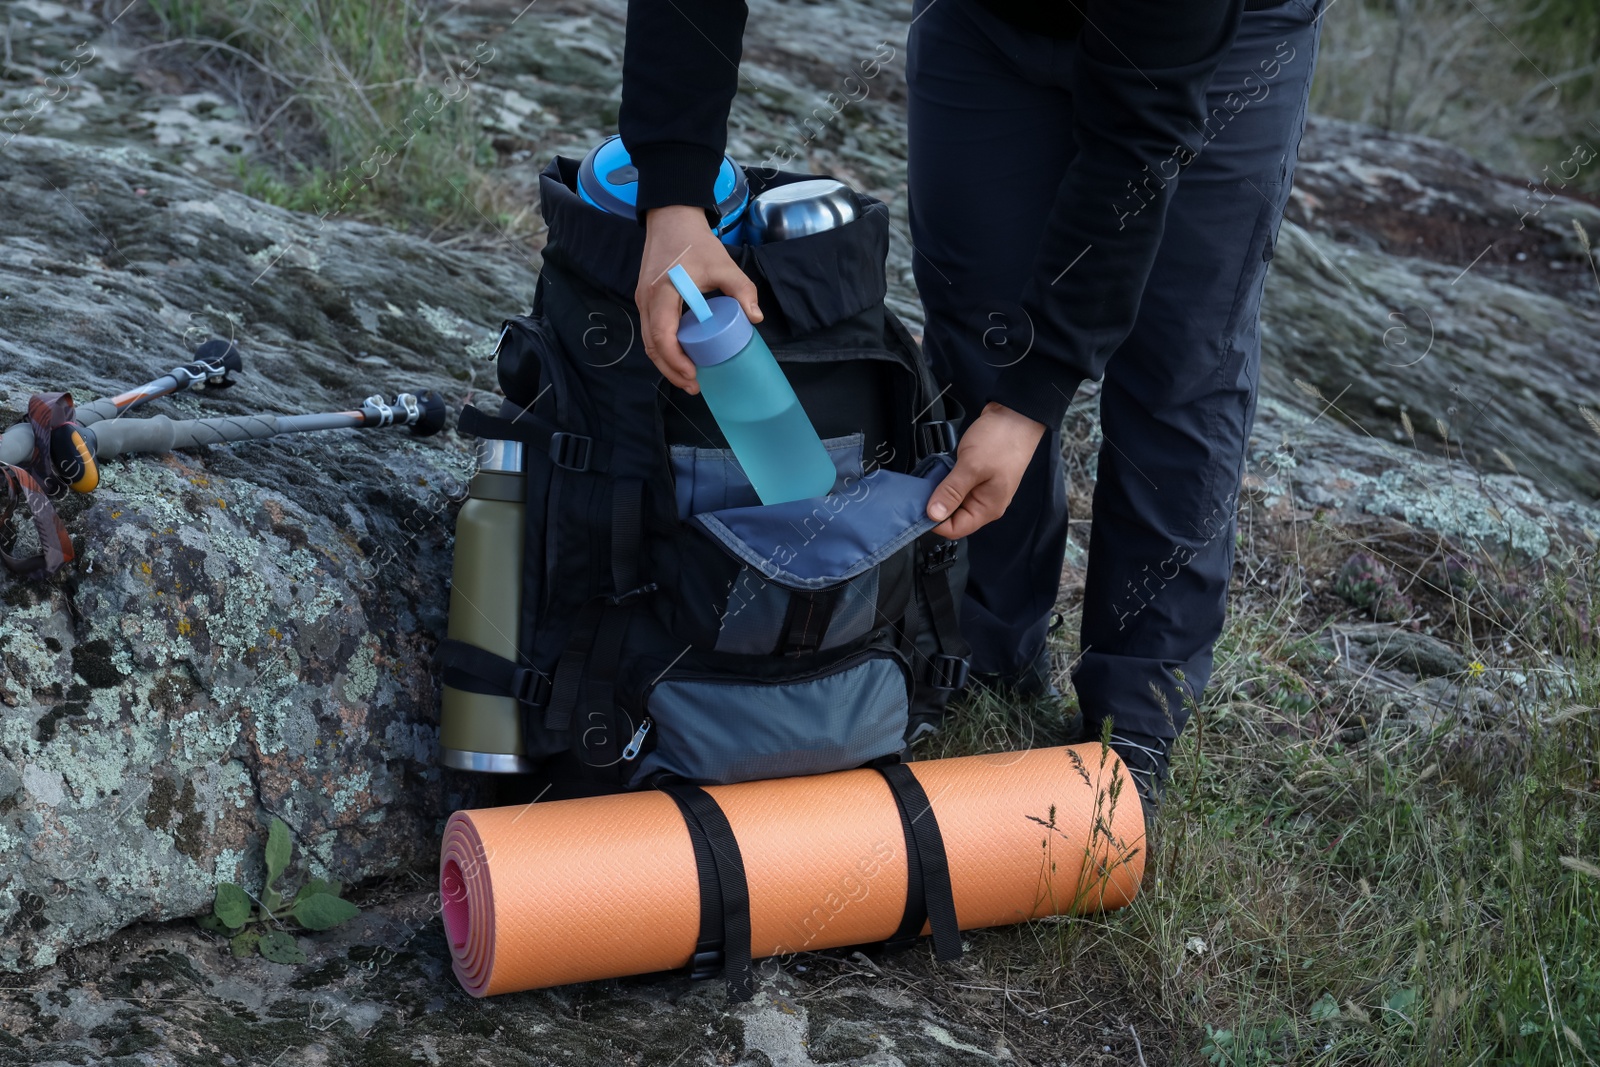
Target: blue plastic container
754 405
608 180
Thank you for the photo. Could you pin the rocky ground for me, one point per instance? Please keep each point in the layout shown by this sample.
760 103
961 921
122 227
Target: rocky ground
379 992
248 629
245 628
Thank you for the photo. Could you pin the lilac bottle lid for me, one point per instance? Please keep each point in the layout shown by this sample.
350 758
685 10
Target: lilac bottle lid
713 331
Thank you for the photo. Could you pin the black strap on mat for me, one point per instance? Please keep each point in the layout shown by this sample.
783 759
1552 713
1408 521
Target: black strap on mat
724 943
928 894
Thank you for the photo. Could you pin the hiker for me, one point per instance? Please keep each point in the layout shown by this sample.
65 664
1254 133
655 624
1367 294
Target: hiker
1095 188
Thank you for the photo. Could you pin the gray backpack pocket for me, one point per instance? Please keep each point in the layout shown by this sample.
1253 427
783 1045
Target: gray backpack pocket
714 730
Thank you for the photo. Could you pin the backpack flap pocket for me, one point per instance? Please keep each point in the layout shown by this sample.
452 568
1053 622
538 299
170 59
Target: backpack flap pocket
720 729
710 479
816 544
806 576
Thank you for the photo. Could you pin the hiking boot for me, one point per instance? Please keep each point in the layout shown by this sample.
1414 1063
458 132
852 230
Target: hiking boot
1145 758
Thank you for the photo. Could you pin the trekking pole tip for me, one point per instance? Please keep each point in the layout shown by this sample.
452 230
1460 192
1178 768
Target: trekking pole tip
220 349
215 353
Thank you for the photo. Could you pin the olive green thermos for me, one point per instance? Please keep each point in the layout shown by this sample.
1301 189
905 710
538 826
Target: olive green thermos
478 732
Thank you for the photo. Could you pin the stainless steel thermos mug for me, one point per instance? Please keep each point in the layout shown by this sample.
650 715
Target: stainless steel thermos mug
479 732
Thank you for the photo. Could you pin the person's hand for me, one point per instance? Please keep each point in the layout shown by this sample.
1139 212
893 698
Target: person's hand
990 461
681 235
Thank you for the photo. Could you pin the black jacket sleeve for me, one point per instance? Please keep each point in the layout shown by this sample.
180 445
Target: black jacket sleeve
680 69
1139 90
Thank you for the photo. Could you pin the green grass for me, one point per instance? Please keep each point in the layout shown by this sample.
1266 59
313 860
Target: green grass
1337 880
1397 900
366 109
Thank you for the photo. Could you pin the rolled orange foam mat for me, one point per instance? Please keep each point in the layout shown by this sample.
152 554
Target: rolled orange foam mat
546 894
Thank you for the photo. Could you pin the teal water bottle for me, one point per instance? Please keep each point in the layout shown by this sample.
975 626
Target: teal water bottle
753 403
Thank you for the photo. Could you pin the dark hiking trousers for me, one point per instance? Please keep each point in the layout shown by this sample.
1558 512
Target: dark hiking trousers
990 139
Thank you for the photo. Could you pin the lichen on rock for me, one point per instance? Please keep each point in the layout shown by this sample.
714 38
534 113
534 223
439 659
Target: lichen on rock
247 628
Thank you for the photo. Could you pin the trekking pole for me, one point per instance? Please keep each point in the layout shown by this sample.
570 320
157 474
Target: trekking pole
212 363
75 451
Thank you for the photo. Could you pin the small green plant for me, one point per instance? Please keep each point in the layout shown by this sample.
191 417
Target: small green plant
1229 1048
1367 584
258 923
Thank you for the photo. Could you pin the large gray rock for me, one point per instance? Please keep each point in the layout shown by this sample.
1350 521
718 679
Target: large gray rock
247 629
1410 278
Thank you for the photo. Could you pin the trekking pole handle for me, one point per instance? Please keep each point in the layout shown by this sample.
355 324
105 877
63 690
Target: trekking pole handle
76 449
214 361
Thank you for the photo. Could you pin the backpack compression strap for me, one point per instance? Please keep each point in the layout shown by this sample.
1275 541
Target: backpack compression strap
571 451
936 556
475 670
588 665
936 559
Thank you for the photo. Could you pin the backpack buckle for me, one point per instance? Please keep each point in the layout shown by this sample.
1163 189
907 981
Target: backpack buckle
935 437
949 672
940 556
705 964
529 686
571 451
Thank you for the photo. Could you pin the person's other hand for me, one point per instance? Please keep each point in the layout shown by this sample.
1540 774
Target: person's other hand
990 461
681 235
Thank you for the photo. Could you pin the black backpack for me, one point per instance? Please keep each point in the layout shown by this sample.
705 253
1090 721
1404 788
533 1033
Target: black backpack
672 630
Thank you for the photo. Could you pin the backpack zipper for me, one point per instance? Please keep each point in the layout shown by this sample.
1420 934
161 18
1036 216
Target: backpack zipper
855 659
631 751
